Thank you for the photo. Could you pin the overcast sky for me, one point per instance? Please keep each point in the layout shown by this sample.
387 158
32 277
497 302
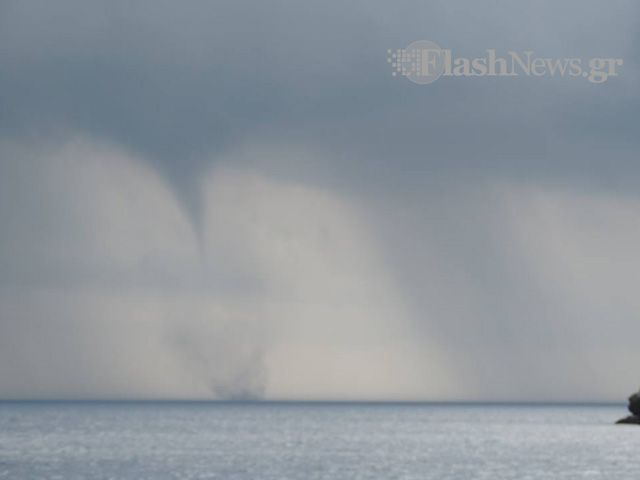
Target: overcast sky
237 200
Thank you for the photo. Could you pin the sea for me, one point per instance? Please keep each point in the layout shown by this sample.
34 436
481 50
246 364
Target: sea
307 441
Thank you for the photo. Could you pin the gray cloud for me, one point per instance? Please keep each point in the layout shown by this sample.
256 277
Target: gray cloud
178 83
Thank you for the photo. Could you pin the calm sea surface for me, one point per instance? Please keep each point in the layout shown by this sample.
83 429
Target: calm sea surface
314 441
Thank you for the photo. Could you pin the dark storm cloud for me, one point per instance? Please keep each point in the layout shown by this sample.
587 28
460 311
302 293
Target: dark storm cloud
182 83
173 83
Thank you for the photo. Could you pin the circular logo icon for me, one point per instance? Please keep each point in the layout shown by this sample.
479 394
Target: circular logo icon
422 62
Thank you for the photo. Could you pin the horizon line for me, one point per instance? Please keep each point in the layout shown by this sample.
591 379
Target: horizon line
320 401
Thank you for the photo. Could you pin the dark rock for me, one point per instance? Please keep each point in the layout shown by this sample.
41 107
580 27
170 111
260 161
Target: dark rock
634 408
631 419
634 404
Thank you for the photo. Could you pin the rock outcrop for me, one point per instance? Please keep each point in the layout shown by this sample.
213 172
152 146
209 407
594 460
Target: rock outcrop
634 408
